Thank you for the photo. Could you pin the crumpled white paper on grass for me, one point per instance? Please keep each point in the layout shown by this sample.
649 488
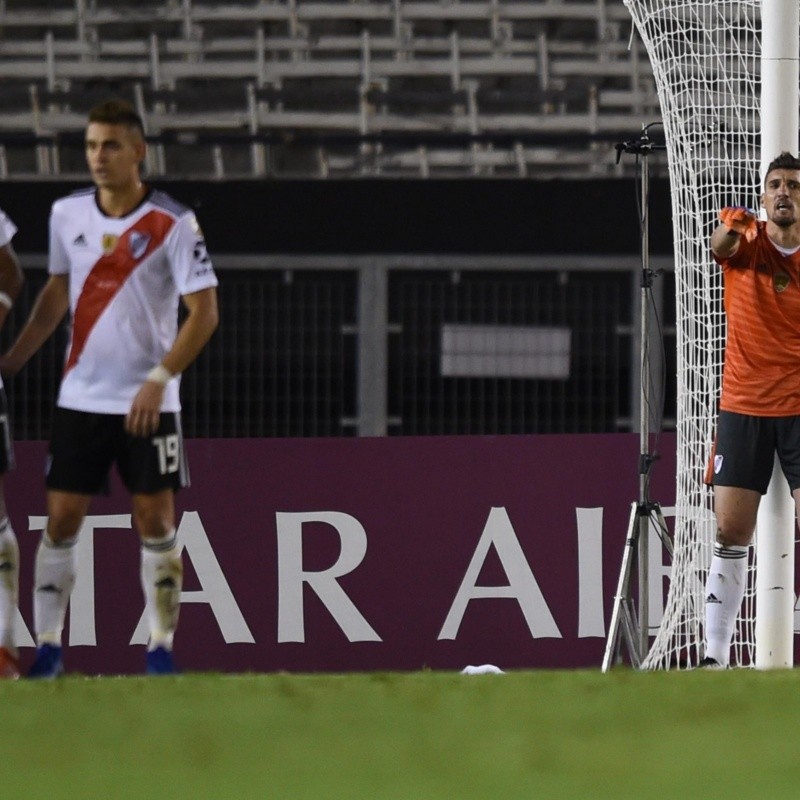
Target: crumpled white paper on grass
483 669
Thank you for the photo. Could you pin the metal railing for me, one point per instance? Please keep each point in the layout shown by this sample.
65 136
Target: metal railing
401 345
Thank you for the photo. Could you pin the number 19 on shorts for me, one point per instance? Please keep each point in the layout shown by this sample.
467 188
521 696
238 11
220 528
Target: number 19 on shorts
169 451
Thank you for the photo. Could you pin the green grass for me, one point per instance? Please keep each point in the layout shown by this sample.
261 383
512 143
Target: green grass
420 735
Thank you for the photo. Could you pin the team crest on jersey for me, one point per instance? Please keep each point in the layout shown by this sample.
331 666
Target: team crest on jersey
717 464
138 243
109 242
781 281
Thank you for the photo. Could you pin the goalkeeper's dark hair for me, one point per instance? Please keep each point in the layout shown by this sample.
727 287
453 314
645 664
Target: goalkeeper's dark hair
784 161
117 112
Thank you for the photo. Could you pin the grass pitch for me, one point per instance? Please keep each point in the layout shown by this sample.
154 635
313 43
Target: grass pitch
437 735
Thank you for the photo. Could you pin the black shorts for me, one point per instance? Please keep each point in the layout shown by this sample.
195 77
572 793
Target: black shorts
84 445
6 442
744 451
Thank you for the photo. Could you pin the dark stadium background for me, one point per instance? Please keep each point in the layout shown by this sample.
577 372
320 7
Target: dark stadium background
285 361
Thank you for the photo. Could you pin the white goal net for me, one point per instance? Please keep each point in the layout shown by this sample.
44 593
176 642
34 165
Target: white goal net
705 56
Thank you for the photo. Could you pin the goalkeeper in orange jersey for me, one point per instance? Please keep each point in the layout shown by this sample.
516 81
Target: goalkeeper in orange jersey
759 407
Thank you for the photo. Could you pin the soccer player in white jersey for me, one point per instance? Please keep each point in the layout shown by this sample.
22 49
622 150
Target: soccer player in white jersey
10 284
122 257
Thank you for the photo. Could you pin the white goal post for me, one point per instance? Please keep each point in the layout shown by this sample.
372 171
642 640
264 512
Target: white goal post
774 624
709 60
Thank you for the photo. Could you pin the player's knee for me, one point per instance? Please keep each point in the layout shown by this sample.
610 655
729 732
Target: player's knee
734 536
151 524
64 526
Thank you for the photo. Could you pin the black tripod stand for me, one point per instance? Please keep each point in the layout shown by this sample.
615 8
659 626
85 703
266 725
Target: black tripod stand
626 624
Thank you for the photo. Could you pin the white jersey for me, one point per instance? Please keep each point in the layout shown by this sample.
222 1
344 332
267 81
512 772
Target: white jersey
7 231
126 276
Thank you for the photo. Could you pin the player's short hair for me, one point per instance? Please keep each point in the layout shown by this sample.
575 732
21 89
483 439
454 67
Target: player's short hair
784 161
117 112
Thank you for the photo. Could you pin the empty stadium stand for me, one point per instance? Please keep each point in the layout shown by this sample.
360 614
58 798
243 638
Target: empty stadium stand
294 88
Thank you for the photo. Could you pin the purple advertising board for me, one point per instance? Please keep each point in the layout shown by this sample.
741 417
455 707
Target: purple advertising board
363 554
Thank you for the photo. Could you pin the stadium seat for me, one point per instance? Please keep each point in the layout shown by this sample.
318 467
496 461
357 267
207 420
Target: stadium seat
473 86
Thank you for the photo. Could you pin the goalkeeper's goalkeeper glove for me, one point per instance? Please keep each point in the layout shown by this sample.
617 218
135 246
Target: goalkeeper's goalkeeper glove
740 220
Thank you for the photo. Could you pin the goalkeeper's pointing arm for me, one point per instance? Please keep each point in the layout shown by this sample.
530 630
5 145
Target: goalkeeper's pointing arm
737 221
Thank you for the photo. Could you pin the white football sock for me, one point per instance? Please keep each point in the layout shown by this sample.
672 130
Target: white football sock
162 580
54 577
724 592
9 583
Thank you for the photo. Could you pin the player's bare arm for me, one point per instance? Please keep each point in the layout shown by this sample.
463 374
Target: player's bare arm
10 280
49 309
197 328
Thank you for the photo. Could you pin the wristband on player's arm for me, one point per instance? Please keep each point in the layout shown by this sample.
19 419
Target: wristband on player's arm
159 374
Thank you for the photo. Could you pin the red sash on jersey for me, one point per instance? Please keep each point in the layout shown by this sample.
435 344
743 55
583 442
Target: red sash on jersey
109 274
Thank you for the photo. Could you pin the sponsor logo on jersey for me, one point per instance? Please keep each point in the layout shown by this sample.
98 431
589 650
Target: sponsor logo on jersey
200 271
109 242
781 281
79 240
717 464
200 253
138 243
